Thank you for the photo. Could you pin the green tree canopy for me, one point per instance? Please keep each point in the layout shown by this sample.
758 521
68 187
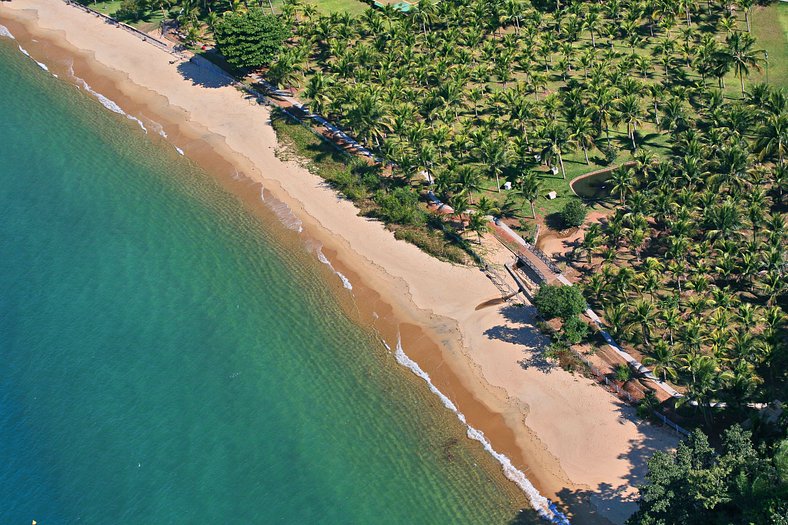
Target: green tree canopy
741 484
574 213
559 301
249 39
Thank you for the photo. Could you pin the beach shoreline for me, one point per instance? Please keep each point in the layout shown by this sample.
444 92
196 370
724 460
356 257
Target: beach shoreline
576 443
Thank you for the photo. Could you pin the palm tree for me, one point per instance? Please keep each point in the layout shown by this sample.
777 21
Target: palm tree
469 180
477 223
746 6
582 133
743 56
663 360
494 154
643 313
592 240
621 183
630 112
556 139
773 137
530 188
317 90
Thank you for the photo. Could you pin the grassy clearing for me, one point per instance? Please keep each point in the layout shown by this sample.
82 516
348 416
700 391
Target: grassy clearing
152 20
770 26
352 7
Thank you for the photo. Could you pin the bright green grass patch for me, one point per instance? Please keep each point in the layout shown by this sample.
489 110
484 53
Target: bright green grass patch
353 7
149 22
770 26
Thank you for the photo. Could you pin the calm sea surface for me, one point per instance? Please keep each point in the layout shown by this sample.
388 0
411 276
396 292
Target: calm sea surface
164 359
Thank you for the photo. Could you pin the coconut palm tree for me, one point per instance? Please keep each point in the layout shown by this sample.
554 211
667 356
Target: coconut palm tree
530 188
556 139
742 55
630 112
663 360
773 137
643 313
582 133
494 154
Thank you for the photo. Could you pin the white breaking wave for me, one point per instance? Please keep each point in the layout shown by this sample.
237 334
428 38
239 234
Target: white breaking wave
542 505
106 102
283 213
4 32
323 259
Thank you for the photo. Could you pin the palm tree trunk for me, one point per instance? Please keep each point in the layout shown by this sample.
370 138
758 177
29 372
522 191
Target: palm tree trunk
561 162
533 210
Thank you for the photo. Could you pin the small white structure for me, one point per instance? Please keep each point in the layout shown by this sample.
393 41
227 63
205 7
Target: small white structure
507 185
552 195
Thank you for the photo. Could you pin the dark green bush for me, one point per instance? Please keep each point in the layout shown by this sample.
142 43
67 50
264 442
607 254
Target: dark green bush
131 10
574 330
559 301
400 206
574 213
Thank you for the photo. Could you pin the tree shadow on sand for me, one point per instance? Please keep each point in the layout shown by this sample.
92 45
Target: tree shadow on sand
608 502
203 73
521 330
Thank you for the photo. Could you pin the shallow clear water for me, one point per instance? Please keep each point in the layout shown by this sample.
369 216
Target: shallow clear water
164 359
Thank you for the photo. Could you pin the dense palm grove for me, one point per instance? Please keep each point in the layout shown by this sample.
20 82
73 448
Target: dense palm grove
477 91
690 268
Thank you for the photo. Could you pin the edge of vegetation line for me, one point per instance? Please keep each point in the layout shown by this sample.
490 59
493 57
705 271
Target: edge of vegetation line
361 183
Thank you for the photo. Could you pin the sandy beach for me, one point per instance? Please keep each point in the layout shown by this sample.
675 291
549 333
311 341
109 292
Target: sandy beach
576 442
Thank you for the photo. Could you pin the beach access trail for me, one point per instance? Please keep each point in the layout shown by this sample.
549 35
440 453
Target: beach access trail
575 441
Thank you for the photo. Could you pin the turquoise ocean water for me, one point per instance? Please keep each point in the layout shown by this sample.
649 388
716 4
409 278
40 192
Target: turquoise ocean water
161 362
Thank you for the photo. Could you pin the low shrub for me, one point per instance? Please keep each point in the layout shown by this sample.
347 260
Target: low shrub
574 213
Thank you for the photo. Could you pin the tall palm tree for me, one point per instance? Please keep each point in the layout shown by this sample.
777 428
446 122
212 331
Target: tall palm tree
556 140
530 188
773 137
743 56
494 154
630 112
468 179
663 360
622 183
644 314
582 133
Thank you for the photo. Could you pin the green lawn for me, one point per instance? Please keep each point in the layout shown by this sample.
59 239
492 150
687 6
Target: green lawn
353 7
770 26
150 22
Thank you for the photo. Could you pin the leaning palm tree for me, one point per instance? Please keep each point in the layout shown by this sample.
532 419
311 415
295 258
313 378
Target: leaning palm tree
530 188
743 56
